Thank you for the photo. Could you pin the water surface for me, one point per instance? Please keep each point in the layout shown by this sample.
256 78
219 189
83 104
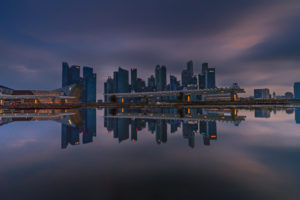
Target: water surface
161 154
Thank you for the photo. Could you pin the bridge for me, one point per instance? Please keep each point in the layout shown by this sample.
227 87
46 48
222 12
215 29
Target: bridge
180 93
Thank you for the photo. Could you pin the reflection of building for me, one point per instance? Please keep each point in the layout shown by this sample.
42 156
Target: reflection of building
297 115
262 113
188 131
84 122
161 131
209 131
196 121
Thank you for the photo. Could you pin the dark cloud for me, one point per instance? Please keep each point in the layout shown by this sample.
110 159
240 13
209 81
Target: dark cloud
240 38
283 45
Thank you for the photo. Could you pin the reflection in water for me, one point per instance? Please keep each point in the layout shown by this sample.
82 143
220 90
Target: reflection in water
83 122
74 122
126 123
253 161
192 121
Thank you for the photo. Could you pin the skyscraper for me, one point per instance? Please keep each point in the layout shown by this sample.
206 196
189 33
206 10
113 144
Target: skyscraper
75 74
204 68
160 77
211 78
65 74
123 84
187 74
89 83
133 79
108 87
297 90
174 84
116 80
262 93
201 80
151 83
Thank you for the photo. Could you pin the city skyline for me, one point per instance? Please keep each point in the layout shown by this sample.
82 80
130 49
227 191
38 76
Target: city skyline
246 41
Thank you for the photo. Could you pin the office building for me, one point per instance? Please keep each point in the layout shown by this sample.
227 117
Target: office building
211 78
108 87
201 81
262 93
151 84
187 74
65 74
297 90
174 84
160 78
75 74
122 82
133 77
204 68
89 85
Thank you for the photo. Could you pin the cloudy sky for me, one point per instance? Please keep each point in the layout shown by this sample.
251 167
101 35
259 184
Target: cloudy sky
255 43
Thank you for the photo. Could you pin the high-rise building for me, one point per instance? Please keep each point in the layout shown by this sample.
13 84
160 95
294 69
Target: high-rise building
160 78
204 68
140 85
201 80
108 87
88 82
151 83
133 79
297 90
89 85
75 74
187 74
174 84
211 78
123 84
65 74
262 93
116 82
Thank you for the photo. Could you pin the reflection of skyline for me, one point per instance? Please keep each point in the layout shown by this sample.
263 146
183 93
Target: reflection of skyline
85 124
74 122
193 121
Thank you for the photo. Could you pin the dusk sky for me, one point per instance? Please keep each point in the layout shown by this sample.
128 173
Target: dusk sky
255 43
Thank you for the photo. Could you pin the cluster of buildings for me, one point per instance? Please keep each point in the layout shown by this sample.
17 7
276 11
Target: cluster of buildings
75 89
88 83
120 83
79 128
264 93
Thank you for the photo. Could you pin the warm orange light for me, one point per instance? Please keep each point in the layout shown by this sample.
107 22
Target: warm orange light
35 101
189 98
70 122
122 100
211 70
213 136
122 110
235 111
189 111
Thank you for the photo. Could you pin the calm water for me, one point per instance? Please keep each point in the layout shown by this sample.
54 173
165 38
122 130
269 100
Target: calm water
157 154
